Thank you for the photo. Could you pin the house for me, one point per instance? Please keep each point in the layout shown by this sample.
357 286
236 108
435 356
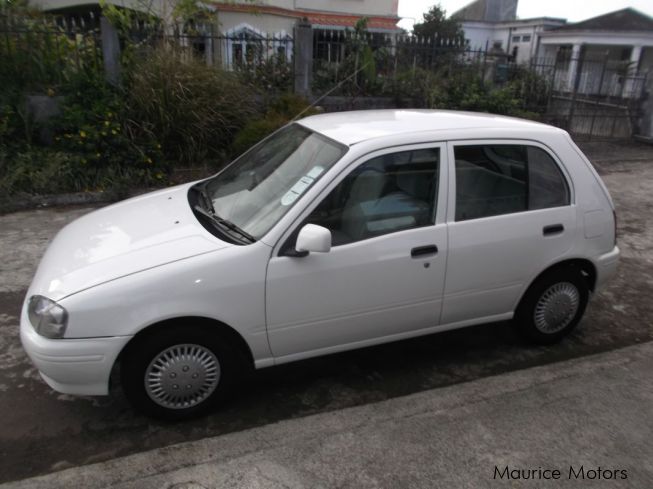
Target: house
493 24
605 55
271 17
244 23
266 17
259 29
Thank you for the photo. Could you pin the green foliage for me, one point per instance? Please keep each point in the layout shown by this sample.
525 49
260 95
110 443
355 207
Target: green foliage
11 120
437 24
94 129
172 109
255 131
91 149
422 87
467 91
360 45
280 111
186 11
357 73
193 109
270 74
38 170
529 87
37 55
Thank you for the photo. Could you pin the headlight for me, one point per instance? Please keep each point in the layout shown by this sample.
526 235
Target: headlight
48 318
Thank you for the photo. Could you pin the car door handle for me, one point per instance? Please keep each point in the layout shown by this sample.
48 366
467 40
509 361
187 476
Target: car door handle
552 229
423 250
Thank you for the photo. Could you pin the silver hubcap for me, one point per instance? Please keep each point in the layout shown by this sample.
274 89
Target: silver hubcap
182 376
556 308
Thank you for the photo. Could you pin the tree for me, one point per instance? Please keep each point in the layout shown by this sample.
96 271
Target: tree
437 24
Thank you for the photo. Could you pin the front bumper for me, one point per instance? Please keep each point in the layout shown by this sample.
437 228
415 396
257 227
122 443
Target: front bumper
606 267
72 366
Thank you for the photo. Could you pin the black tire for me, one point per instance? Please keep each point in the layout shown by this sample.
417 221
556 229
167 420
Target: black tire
198 347
537 317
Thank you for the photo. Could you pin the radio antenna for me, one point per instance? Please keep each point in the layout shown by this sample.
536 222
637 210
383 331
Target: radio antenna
326 94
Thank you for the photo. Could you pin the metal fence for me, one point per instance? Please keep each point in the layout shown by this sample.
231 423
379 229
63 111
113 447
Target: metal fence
262 60
339 54
230 50
593 95
37 53
590 95
47 52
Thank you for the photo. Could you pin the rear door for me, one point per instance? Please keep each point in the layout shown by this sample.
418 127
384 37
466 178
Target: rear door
511 214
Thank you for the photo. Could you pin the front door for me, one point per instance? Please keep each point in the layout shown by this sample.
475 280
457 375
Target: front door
384 275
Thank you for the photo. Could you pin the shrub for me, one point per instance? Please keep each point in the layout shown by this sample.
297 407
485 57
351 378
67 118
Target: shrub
36 54
91 147
274 73
356 74
193 109
94 129
280 111
467 91
255 131
48 171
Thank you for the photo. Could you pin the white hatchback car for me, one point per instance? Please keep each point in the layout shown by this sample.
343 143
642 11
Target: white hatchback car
337 232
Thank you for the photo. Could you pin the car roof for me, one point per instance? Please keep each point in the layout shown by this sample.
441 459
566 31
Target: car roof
356 126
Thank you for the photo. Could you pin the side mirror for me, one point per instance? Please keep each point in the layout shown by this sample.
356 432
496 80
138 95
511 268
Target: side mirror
313 238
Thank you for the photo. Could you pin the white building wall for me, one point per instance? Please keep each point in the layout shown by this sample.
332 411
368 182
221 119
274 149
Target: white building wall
506 35
525 40
478 35
289 4
268 25
361 7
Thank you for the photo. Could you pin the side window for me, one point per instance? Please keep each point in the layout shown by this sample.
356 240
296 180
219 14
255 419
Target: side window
501 179
547 186
386 194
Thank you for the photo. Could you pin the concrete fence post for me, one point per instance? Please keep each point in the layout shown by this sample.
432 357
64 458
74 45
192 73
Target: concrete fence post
577 66
644 127
303 58
110 51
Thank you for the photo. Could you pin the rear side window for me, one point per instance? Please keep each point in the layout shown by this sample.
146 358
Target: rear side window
498 179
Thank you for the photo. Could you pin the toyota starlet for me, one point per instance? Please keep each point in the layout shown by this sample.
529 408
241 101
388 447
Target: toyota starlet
338 231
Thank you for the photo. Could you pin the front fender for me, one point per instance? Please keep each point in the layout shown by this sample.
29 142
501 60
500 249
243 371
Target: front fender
227 285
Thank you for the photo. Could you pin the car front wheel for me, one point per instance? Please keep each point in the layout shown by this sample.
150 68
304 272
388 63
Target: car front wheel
177 374
553 305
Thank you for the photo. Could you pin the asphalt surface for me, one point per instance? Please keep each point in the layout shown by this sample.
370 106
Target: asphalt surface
43 431
583 424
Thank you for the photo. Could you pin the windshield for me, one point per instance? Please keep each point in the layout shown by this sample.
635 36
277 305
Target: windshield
257 189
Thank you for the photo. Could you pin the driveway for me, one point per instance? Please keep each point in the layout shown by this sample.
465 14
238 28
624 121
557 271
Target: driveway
44 431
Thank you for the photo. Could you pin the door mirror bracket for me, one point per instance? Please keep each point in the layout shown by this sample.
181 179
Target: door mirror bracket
295 254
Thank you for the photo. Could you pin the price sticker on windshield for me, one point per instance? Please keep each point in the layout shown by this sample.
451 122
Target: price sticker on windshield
300 187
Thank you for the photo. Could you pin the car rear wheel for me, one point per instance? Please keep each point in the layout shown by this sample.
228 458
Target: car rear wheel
553 305
176 374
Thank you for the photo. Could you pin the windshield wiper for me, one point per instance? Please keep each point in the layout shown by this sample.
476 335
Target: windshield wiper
201 189
224 222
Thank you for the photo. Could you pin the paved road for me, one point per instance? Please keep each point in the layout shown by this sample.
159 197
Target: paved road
582 423
43 431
